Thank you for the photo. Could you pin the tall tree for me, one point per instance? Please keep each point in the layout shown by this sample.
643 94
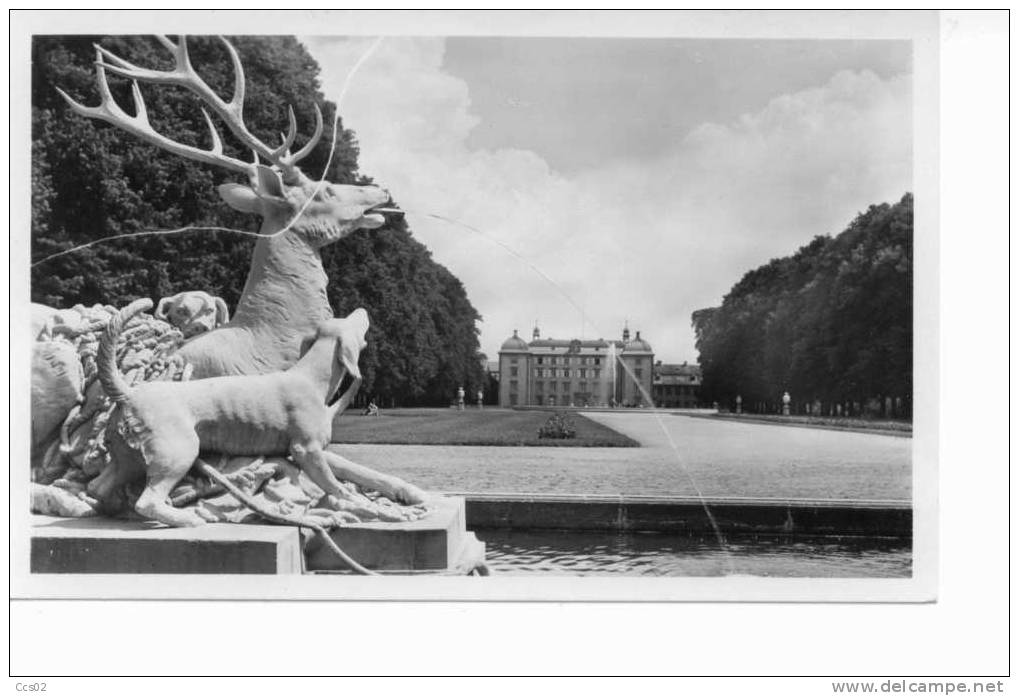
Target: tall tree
90 181
831 323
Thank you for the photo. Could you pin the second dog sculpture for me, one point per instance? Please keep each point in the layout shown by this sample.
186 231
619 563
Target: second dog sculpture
289 412
193 312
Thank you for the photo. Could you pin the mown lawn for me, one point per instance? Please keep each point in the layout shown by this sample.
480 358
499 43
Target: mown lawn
490 426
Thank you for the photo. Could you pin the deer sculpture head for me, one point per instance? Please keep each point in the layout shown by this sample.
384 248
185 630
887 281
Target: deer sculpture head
277 190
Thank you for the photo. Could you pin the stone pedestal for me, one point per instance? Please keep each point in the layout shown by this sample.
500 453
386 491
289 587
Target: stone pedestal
437 543
100 545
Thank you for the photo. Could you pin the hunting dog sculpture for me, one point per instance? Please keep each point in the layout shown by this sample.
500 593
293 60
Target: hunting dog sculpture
287 412
193 312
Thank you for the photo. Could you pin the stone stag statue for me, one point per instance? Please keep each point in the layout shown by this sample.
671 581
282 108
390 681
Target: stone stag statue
283 302
284 298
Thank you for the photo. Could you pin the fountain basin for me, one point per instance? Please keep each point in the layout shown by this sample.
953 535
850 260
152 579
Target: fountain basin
565 535
687 515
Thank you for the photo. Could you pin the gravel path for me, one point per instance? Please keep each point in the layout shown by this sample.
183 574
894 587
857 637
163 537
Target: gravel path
723 458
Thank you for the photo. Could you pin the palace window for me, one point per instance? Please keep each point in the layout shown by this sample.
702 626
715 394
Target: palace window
540 360
566 373
583 373
513 372
597 361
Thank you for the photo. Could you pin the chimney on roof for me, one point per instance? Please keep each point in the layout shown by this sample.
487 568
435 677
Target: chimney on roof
638 335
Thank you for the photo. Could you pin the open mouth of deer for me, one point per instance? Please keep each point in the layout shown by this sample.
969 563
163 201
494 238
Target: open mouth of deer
382 212
375 214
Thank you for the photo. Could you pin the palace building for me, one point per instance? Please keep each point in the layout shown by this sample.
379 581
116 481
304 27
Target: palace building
575 372
676 386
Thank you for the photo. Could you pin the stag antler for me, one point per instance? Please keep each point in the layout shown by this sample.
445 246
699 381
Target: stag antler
183 75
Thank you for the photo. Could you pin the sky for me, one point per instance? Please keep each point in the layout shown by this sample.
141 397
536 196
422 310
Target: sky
596 182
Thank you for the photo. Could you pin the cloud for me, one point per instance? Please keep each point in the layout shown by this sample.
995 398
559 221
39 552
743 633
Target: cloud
648 240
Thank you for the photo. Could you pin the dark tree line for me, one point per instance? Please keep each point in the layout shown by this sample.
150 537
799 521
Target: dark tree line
832 324
90 180
423 342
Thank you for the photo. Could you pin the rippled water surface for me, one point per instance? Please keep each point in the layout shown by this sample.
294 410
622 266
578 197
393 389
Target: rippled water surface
591 553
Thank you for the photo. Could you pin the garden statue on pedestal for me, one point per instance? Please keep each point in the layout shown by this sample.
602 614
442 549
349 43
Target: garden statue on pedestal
283 304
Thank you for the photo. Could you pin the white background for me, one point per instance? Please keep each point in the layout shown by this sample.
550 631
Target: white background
964 633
